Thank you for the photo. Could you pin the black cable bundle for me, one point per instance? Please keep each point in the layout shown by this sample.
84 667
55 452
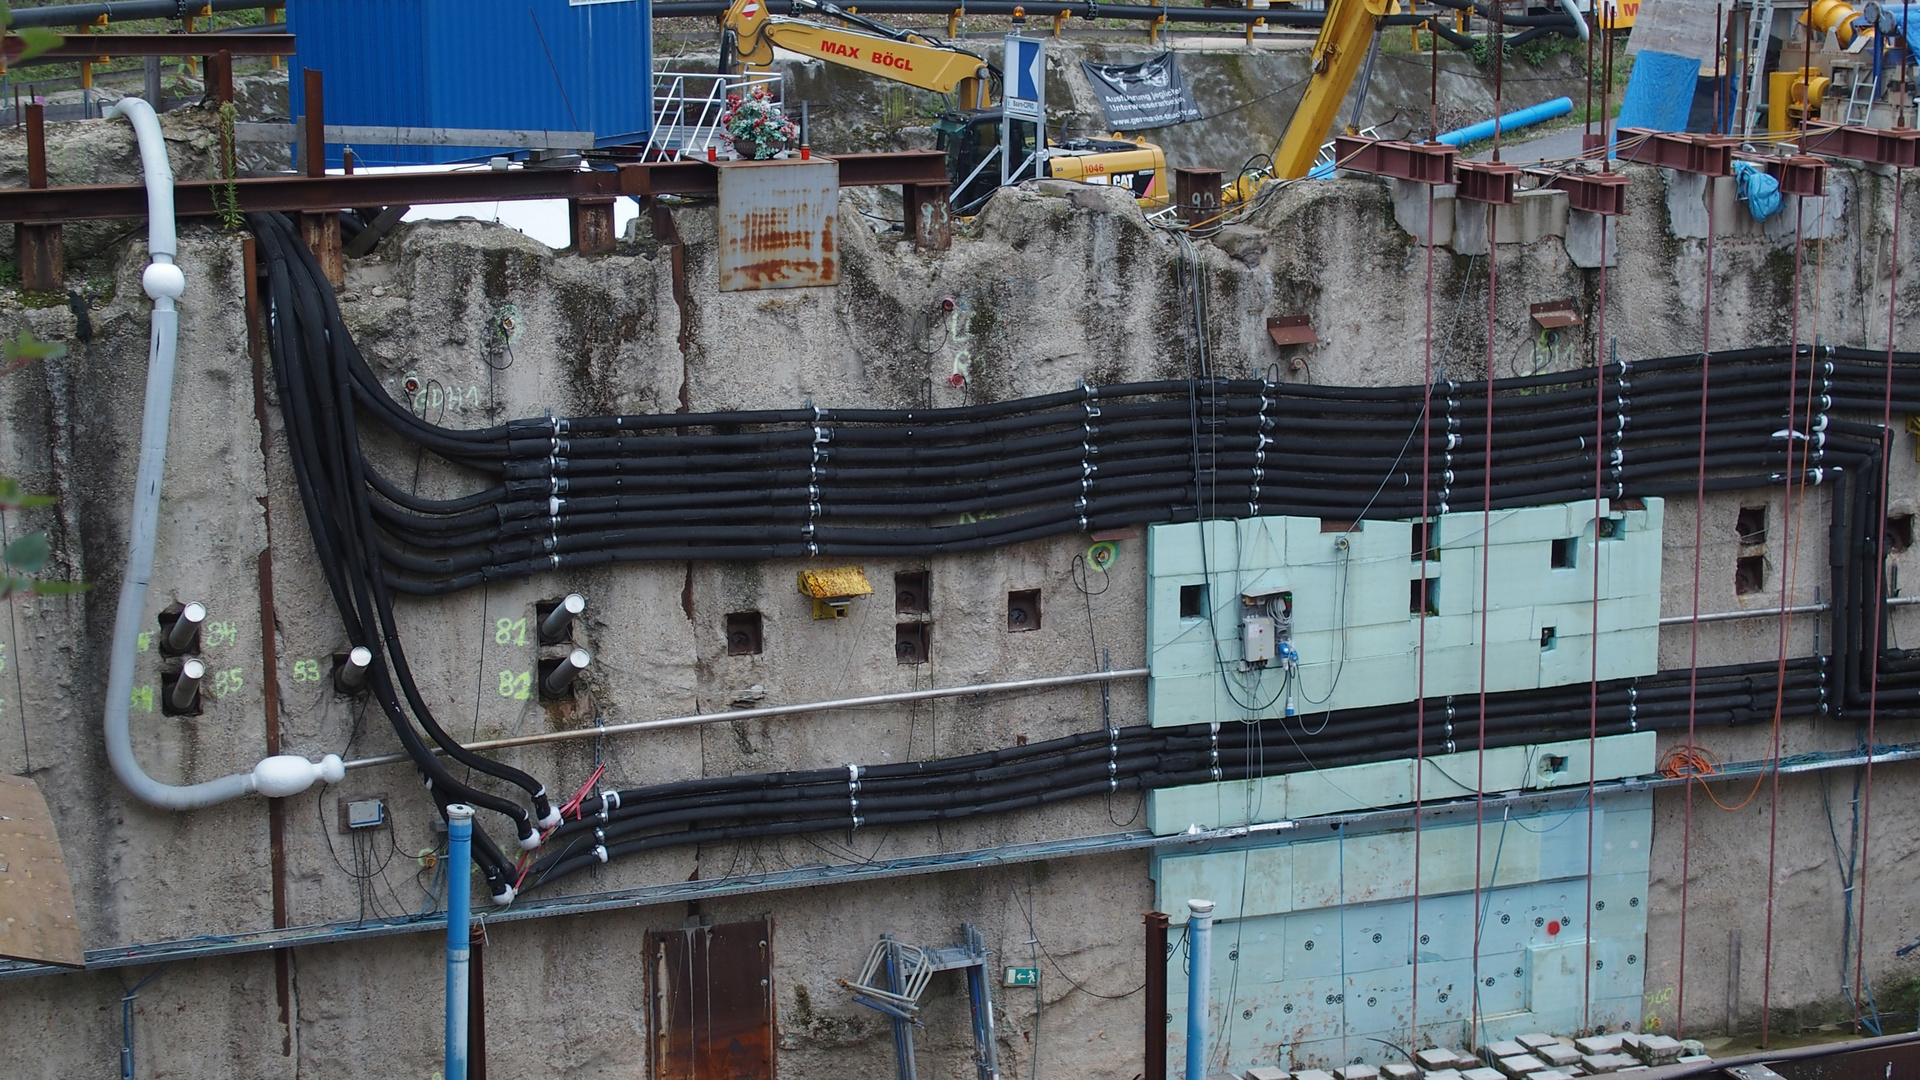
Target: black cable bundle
873 482
323 385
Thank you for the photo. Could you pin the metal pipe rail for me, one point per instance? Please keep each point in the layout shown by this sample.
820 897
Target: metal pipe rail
696 719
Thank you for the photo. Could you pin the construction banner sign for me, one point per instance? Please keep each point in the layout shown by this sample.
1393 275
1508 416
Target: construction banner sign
1149 94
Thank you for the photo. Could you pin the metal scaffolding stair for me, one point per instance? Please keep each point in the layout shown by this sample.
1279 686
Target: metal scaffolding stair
1759 34
895 976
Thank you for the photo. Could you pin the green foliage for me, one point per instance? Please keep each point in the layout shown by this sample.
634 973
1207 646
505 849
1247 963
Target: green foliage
25 349
226 198
27 555
1540 50
34 40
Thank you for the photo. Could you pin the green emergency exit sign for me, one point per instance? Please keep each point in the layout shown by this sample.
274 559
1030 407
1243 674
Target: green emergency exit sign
1023 977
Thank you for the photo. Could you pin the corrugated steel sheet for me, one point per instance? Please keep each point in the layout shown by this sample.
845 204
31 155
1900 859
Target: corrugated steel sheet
776 224
554 65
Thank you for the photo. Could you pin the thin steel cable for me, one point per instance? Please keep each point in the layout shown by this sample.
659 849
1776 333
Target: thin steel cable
1879 618
1420 654
1593 642
1693 644
1486 554
1786 594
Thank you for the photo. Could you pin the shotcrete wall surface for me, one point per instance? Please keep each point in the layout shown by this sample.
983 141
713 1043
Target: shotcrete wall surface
1052 286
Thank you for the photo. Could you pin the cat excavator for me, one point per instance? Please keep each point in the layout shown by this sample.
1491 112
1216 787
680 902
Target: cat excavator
971 134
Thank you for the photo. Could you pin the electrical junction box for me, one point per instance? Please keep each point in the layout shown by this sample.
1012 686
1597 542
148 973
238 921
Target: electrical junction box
370 813
1023 977
1256 639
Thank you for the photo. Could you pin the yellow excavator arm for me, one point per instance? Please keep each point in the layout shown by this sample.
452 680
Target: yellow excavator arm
899 55
1337 56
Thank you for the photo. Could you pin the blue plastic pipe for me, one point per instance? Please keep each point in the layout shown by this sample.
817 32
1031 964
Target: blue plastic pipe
459 941
1199 951
1519 118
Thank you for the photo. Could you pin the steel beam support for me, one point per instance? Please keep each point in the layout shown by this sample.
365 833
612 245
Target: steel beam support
293 194
1597 193
590 223
929 216
1490 182
889 170
1422 163
1897 148
98 47
37 247
321 230
1705 155
1801 174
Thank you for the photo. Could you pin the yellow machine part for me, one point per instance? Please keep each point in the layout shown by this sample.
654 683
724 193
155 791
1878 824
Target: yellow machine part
1788 94
1336 57
1834 17
1116 167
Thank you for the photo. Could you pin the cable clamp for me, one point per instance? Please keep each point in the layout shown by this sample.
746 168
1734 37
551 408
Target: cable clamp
1617 457
1820 422
1092 410
1088 468
1443 506
1453 441
1093 430
807 529
1258 475
1446 477
1080 503
813 549
600 852
1261 442
821 436
554 505
1818 476
1826 402
819 415
1625 367
853 807
600 836
609 802
1085 525
858 821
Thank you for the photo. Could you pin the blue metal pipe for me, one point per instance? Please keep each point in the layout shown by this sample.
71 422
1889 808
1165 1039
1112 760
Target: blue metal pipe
459 939
1199 952
1519 118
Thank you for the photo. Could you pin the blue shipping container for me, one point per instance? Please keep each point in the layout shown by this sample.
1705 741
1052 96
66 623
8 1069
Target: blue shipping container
540 65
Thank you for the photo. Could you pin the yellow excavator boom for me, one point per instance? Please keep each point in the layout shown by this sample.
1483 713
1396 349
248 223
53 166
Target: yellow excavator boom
908 58
1336 57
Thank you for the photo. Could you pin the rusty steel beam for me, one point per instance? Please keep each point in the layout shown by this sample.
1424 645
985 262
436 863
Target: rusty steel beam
1596 193
37 248
1490 182
889 170
1422 163
1897 148
1801 174
97 46
929 218
1706 155
195 198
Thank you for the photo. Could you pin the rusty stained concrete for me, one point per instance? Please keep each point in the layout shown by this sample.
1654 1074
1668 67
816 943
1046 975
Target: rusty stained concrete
1049 291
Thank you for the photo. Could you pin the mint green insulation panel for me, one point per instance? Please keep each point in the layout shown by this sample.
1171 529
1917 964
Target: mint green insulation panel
1355 622
1315 940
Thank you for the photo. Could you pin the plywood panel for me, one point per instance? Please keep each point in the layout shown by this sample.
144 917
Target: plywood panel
36 898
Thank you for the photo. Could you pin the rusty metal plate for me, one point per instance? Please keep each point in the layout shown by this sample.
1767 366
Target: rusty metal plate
1291 330
1554 314
710 999
36 898
776 222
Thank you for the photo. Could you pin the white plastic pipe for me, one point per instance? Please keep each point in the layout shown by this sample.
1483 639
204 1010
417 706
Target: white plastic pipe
1572 8
283 775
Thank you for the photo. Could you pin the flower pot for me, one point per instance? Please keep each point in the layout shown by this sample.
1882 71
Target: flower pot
749 150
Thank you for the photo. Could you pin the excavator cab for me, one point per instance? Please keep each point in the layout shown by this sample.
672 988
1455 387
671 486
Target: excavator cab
970 140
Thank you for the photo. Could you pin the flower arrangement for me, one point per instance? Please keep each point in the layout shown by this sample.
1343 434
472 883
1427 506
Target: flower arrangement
759 127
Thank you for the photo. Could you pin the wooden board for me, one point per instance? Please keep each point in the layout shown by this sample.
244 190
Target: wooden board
36 898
